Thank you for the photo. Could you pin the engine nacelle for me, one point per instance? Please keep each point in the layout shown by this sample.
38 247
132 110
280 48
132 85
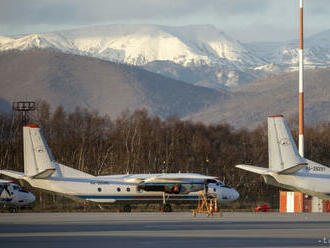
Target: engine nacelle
167 188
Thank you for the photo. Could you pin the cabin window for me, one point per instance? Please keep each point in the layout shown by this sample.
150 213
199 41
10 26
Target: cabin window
128 189
118 189
99 189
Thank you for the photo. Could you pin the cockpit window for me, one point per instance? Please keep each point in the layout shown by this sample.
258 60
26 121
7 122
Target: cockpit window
211 181
225 186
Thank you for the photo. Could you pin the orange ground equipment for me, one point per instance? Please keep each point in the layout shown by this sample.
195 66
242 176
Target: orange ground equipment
207 204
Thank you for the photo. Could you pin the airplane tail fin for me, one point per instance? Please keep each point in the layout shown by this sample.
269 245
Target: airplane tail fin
284 157
39 162
283 154
37 155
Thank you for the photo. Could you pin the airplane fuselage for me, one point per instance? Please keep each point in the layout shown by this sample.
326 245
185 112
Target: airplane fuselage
102 189
313 180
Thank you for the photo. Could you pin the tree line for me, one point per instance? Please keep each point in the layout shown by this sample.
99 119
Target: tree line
141 143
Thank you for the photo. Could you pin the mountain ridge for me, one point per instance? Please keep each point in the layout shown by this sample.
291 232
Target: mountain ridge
189 46
216 60
110 88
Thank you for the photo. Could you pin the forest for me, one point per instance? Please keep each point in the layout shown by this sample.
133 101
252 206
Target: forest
137 142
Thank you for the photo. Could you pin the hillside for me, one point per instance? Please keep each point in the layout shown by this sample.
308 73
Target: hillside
251 104
109 88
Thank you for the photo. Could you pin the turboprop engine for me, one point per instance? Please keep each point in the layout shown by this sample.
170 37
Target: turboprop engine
167 188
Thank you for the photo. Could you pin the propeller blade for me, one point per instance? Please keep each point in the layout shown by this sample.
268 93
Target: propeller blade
7 190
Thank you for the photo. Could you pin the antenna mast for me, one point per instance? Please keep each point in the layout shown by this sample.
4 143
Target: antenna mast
301 82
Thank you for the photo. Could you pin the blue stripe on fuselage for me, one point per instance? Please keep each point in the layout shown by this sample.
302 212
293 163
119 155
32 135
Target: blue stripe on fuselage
137 197
161 183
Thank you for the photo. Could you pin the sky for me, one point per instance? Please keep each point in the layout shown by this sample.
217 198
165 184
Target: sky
245 20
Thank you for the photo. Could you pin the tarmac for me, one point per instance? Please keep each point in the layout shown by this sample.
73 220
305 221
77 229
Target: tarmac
164 230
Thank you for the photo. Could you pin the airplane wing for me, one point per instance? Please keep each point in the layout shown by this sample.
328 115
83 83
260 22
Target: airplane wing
175 183
12 174
254 169
5 181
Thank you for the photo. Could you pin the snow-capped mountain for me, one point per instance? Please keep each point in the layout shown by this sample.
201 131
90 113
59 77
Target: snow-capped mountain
285 54
142 44
200 47
198 54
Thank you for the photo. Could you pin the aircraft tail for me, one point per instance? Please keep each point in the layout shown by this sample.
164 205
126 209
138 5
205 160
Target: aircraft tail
38 158
39 162
283 154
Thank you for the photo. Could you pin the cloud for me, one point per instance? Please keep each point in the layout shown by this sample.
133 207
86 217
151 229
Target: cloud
83 11
25 12
42 15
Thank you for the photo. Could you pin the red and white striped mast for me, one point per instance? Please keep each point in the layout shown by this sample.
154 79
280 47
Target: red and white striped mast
301 82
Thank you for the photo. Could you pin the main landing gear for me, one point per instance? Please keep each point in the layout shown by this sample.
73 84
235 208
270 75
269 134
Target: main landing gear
126 208
166 207
13 209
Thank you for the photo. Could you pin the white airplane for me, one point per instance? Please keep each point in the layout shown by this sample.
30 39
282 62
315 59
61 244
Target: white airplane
13 196
42 171
287 169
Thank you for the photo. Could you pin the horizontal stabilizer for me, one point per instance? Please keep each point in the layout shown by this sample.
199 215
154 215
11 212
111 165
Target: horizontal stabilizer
44 174
292 169
12 174
254 169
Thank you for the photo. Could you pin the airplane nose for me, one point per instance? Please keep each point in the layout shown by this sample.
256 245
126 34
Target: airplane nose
235 195
32 198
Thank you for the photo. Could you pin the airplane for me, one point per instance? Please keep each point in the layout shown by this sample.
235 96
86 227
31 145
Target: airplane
43 172
13 196
287 169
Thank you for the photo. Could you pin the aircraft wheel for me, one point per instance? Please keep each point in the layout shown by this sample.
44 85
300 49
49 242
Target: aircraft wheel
13 210
167 208
127 209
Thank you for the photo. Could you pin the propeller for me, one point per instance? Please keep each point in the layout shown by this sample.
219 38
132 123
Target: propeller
5 187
